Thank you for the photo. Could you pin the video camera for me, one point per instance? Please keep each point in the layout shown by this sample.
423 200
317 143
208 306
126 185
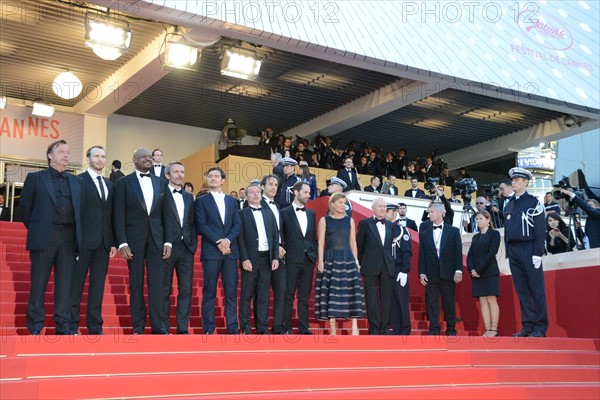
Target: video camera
564 183
431 184
490 190
464 187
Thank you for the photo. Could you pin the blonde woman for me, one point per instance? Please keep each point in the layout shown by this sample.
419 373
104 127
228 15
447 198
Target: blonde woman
338 289
483 268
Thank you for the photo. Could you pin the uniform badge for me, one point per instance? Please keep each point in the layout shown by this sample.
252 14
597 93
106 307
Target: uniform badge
406 237
508 216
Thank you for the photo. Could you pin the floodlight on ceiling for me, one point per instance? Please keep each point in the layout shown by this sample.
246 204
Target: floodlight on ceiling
42 109
240 63
67 85
179 54
3 101
109 40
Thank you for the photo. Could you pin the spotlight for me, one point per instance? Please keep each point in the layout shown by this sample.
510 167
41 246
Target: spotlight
67 85
109 40
42 109
570 121
240 64
179 54
2 102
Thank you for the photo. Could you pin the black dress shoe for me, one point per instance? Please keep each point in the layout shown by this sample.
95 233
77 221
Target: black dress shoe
537 334
65 332
208 333
307 332
245 332
96 332
450 333
35 332
138 331
160 332
186 332
522 333
232 332
262 332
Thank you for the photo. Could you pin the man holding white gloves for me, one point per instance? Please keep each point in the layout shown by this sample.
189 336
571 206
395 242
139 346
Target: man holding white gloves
524 236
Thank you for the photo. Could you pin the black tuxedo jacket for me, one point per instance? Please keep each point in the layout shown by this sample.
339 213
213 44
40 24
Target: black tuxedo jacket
248 238
372 255
410 223
37 207
385 189
210 226
419 195
174 231
115 175
294 242
162 171
450 259
351 184
96 214
131 221
5 214
371 189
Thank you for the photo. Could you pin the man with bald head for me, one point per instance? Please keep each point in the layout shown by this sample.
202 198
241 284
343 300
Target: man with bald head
138 226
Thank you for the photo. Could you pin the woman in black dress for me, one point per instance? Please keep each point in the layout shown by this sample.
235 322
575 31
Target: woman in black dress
338 289
558 239
485 275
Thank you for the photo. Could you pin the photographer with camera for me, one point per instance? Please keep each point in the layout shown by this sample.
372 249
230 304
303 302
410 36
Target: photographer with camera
525 237
592 209
437 196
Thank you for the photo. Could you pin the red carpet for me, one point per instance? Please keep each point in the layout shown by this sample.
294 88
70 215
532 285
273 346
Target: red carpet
120 365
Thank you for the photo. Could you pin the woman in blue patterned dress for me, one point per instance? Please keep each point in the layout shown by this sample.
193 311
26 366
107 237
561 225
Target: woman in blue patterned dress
339 290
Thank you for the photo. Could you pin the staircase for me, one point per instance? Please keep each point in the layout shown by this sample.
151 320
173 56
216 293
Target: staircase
121 365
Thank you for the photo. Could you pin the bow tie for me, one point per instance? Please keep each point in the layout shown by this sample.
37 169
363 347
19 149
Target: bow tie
300 208
438 226
271 202
178 191
256 209
381 221
145 175
157 165
401 219
59 174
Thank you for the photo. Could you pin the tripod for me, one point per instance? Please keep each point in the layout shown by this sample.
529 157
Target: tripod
467 215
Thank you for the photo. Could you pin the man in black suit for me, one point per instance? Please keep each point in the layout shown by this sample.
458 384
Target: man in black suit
592 209
158 168
97 242
440 268
374 186
259 255
403 220
269 185
389 187
138 225
414 191
218 221
300 242
4 210
51 210
430 170
349 176
374 244
180 232
115 171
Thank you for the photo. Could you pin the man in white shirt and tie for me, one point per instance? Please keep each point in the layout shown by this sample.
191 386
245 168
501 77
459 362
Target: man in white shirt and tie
158 168
349 176
414 190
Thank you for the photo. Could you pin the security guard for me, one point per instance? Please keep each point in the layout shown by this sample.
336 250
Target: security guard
286 196
524 235
402 252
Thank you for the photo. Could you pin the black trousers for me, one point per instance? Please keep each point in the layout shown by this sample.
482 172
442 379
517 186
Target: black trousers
378 298
299 280
279 285
211 269
447 290
256 284
96 262
146 257
60 253
181 262
530 287
400 318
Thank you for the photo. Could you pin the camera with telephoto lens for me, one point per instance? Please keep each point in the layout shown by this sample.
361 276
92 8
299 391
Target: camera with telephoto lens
463 188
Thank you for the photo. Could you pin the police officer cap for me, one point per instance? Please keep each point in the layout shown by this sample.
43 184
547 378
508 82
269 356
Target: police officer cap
337 181
255 182
289 161
518 172
391 206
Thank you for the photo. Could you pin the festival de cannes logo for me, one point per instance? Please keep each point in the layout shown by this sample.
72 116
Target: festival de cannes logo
545 30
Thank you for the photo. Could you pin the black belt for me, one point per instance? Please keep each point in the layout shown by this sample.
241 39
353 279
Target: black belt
263 253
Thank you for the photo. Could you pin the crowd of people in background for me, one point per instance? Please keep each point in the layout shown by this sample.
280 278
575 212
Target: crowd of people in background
266 233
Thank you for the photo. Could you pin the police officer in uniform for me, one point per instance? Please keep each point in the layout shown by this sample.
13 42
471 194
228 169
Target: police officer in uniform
286 196
524 235
402 252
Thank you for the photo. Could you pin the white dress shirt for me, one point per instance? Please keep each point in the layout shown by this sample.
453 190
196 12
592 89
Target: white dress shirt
437 237
97 181
302 218
147 189
157 169
263 240
220 200
381 229
178 198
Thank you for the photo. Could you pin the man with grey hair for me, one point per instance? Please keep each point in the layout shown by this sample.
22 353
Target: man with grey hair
374 244
440 268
